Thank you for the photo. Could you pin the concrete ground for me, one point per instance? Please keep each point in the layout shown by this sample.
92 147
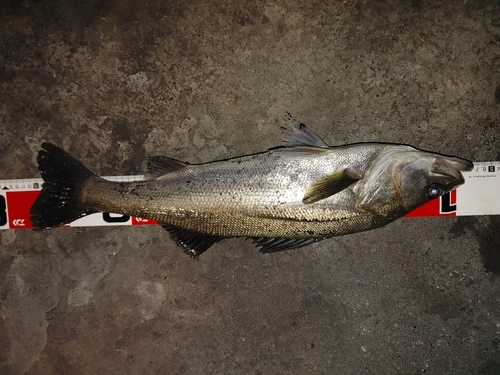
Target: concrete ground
113 82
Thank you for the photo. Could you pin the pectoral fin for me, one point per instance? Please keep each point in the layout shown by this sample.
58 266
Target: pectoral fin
328 185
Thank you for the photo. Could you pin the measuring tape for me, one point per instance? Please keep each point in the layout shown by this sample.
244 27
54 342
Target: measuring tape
479 195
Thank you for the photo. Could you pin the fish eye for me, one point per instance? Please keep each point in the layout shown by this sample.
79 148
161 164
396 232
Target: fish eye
434 191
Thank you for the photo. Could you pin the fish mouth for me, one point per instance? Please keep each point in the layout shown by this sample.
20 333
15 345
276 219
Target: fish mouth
451 168
462 165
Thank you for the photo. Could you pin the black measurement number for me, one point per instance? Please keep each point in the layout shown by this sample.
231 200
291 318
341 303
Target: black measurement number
446 206
3 211
114 219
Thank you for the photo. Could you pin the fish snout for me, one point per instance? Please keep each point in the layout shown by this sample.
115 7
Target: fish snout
451 168
462 165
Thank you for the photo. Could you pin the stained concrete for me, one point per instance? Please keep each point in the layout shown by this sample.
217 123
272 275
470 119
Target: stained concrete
113 82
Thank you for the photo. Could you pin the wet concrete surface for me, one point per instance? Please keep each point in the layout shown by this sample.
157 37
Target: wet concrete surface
113 82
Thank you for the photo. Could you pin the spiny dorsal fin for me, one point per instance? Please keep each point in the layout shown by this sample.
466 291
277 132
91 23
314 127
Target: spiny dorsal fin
193 243
328 185
300 135
160 165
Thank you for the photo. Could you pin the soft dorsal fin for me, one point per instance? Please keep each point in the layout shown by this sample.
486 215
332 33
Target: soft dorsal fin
160 165
329 185
301 135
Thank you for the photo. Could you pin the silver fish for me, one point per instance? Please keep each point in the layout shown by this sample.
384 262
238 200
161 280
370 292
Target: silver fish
284 198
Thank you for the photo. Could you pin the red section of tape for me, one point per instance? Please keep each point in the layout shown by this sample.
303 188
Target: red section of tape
445 205
429 209
141 221
18 208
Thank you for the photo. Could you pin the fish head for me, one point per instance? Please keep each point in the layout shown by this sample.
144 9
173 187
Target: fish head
403 178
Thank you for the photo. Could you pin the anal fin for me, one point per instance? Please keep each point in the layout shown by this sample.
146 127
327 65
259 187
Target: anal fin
273 245
193 243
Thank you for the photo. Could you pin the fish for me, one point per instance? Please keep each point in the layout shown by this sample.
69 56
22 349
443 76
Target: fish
284 198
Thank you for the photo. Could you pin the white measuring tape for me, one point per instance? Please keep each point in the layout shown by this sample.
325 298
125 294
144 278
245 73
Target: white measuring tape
480 195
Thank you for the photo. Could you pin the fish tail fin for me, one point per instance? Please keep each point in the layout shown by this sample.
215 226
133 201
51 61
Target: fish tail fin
63 177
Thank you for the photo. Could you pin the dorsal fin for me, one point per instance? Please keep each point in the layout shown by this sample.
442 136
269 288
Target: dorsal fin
160 165
300 135
328 185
